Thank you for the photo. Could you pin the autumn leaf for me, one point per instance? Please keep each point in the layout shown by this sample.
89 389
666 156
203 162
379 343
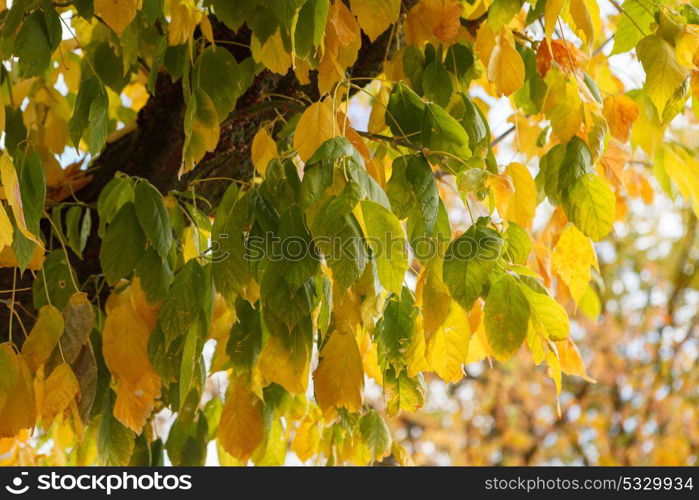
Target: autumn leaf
316 125
447 347
505 65
339 378
58 392
522 204
43 337
375 16
241 428
264 149
620 112
118 14
572 259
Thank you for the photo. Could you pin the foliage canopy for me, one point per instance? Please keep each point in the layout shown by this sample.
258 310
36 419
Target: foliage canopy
164 160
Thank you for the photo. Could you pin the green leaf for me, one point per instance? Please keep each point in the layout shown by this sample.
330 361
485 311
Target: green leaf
229 264
155 275
441 132
317 178
310 27
501 13
78 232
33 189
218 74
335 149
414 66
402 392
436 83
404 113
374 432
634 24
519 244
115 194
109 66
33 46
189 354
186 442
123 245
115 443
388 244
90 119
54 281
233 14
459 61
184 301
153 217
468 261
590 204
394 330
297 249
340 237
506 317
245 341
419 174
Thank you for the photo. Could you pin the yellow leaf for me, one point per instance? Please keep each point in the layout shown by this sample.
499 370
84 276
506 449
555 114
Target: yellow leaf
272 53
554 369
435 297
124 343
505 66
563 105
339 377
415 353
206 29
340 46
8 259
315 126
447 348
620 112
434 21
375 16
572 259
263 150
184 18
522 205
241 428
485 43
502 189
478 347
285 361
5 228
43 338
664 73
552 10
571 361
21 413
683 169
59 390
307 439
377 117
118 14
583 19
10 184
547 316
135 401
